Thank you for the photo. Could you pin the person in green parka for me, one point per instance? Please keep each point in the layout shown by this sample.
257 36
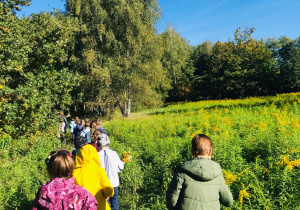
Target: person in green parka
199 183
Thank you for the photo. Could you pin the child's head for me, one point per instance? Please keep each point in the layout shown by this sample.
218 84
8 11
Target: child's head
103 140
87 122
77 120
95 135
73 119
93 124
99 122
201 145
60 164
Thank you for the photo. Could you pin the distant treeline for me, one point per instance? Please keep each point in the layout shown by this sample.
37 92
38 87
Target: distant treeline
100 56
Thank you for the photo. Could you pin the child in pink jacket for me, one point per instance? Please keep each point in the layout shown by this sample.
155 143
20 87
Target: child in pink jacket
61 192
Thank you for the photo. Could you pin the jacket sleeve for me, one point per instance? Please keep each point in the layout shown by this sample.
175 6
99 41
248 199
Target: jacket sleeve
225 195
90 202
34 204
173 192
108 190
119 162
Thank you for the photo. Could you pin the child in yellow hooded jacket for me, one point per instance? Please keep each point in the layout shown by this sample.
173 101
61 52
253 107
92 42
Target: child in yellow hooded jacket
91 176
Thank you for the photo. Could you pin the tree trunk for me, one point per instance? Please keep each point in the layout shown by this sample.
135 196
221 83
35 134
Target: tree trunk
128 108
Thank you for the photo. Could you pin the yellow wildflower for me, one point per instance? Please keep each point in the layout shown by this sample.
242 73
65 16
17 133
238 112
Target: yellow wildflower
227 134
126 157
243 194
292 164
263 126
296 124
228 121
229 177
284 161
265 171
292 151
289 164
216 128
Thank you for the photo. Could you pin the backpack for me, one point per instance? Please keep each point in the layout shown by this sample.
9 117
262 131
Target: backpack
80 139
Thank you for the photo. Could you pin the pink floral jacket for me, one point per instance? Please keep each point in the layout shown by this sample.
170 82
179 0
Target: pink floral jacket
59 193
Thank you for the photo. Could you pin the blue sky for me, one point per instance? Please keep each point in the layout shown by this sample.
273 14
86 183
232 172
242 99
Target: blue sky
215 20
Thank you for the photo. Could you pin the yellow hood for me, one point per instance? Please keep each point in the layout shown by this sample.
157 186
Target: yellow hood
91 176
87 155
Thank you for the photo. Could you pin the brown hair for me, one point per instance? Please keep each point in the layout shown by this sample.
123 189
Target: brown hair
60 164
95 135
93 128
201 145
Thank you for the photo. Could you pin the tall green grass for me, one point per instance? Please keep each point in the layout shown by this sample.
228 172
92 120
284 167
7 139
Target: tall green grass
22 169
256 141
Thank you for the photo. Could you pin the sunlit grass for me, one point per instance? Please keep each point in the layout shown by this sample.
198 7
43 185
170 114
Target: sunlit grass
250 137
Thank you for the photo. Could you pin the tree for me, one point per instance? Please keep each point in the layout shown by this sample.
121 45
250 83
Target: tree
237 69
202 77
176 60
117 45
34 79
287 54
11 6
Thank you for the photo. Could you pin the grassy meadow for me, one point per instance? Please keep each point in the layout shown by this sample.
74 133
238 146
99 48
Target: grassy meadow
256 142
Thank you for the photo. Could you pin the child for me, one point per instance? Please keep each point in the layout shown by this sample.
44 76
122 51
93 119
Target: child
87 130
94 139
61 192
77 129
110 160
77 122
80 137
79 142
91 176
93 126
199 183
62 131
99 126
72 125
62 116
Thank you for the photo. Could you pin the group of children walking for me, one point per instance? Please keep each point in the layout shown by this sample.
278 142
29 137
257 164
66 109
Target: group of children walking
88 178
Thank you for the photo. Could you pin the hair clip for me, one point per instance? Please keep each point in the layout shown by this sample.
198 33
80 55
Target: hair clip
49 157
70 154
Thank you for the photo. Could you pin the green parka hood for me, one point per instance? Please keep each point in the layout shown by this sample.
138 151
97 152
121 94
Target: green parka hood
202 169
